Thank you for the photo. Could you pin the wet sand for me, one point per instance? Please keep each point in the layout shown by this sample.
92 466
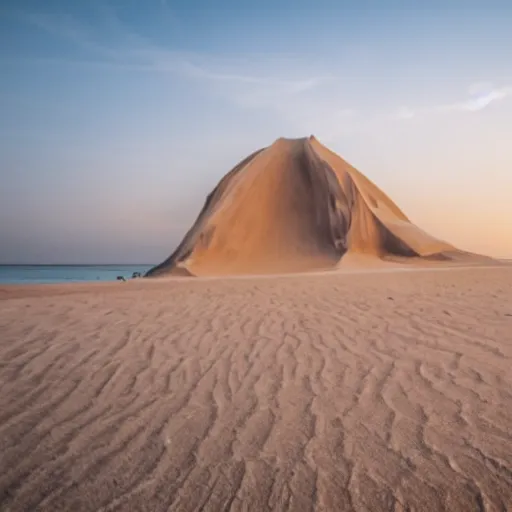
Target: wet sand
368 391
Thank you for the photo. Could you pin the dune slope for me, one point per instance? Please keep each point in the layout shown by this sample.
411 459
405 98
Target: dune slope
296 206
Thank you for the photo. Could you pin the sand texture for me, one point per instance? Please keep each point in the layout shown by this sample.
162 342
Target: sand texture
383 391
296 206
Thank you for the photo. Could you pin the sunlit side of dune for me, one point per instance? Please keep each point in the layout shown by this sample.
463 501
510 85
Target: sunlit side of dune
297 206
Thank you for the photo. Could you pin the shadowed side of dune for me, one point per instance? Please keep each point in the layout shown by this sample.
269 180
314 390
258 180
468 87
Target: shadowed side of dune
297 206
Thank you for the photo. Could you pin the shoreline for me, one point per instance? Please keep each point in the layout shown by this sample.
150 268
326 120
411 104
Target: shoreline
386 268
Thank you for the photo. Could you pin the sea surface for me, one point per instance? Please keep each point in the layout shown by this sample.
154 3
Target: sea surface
27 274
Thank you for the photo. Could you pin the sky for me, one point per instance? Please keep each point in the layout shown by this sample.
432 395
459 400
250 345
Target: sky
118 117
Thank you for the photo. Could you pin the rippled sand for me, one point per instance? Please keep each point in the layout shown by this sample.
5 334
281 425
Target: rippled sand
370 391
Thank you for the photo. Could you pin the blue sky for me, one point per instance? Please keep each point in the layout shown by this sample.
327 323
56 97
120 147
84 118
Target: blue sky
118 117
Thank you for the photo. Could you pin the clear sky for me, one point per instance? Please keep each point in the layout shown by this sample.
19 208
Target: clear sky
118 117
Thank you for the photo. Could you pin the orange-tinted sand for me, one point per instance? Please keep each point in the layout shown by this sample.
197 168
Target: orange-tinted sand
296 206
368 391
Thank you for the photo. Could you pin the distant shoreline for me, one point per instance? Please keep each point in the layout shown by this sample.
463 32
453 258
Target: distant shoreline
89 285
77 264
71 273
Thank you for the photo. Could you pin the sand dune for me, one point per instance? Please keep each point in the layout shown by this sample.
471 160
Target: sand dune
368 392
297 206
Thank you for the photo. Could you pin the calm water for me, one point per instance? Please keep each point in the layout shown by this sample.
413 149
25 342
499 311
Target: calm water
25 274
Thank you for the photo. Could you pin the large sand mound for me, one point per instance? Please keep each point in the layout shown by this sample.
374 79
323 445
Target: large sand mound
297 206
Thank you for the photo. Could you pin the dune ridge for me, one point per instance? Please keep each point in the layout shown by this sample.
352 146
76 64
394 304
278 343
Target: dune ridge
297 206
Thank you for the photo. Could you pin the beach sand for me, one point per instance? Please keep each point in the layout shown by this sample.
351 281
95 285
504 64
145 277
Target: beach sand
368 391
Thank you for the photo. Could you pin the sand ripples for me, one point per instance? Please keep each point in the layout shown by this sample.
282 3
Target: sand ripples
349 392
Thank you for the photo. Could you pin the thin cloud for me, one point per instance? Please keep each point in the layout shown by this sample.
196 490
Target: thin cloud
482 100
305 99
67 28
405 113
131 50
481 95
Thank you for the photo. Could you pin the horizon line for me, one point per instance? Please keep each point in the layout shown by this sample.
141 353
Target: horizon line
73 264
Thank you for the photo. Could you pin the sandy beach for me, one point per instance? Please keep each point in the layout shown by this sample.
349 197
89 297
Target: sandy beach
371 391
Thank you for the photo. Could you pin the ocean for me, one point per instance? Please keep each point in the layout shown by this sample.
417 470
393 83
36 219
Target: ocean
27 274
